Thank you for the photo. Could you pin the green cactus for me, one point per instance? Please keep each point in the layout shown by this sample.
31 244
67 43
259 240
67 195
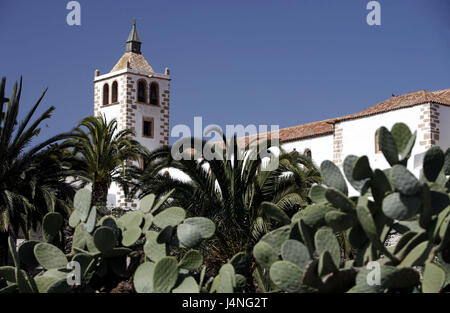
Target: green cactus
325 240
74 218
153 250
104 239
332 176
130 219
188 285
91 220
295 252
169 217
80 237
400 207
45 282
307 236
264 254
340 200
433 163
362 169
446 167
165 274
26 254
148 222
203 225
130 236
188 235
165 235
434 278
348 166
404 181
146 203
226 279
417 255
339 221
193 230
314 215
401 134
241 263
191 260
317 194
276 238
390 277
275 212
51 225
388 146
49 256
287 276
143 277
326 264
82 204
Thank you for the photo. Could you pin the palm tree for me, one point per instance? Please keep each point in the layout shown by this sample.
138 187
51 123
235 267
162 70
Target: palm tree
229 191
103 152
32 181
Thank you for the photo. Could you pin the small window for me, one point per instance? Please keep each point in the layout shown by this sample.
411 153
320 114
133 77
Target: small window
154 92
147 128
105 94
114 92
377 145
142 85
308 153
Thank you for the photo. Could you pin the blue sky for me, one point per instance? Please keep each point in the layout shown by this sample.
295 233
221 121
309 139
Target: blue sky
246 62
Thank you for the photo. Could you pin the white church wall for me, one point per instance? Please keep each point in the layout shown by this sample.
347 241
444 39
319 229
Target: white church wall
321 147
359 136
444 127
111 112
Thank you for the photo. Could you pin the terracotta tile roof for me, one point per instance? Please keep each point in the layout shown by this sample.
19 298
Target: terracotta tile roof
325 127
304 131
135 61
403 101
443 93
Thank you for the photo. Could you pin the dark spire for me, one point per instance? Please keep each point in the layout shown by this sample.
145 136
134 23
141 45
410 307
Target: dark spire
133 41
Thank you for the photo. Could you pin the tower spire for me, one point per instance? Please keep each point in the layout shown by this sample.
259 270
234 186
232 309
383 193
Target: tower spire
133 41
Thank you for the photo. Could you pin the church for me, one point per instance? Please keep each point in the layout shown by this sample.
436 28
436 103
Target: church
139 98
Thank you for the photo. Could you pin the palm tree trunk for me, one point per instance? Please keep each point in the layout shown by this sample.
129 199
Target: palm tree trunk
99 194
4 248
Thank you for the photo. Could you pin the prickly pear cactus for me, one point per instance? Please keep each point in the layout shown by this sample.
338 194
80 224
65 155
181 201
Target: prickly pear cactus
339 243
102 247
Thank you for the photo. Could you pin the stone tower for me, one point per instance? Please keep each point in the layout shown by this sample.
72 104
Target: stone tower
138 97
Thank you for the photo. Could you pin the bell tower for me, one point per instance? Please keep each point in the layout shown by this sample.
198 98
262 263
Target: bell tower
139 98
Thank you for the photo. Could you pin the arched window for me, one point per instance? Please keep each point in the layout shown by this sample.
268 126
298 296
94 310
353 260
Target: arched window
308 153
377 144
141 91
154 94
105 94
114 92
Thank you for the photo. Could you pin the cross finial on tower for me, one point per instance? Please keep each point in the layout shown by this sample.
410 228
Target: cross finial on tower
133 41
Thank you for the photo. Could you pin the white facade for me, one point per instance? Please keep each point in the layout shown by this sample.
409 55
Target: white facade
321 147
359 135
